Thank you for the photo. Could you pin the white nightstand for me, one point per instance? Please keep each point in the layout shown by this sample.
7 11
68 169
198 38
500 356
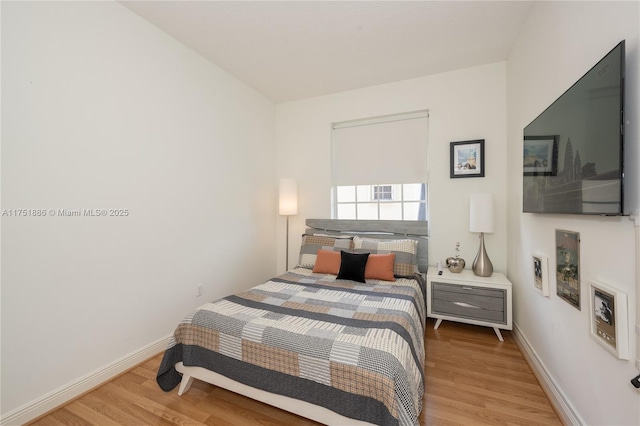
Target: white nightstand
467 298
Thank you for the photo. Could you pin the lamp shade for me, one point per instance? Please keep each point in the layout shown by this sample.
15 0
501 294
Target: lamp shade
288 197
481 213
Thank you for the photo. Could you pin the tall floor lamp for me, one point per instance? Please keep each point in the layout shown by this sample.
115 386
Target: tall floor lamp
481 220
288 206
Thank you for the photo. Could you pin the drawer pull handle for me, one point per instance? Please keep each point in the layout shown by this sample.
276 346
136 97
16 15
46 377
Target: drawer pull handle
466 305
467 288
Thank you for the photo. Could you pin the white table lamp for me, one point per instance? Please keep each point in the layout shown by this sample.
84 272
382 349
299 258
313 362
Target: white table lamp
288 206
481 220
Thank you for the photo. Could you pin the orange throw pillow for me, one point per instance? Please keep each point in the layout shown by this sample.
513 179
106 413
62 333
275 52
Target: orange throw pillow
380 267
327 262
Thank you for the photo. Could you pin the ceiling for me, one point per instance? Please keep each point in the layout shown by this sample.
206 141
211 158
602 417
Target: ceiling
290 50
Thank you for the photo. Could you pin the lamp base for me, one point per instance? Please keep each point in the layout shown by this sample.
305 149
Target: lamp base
482 266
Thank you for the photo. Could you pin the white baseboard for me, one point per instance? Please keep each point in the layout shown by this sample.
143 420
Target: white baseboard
66 393
558 398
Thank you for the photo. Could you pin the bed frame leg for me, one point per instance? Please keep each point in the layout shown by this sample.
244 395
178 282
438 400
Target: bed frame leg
185 384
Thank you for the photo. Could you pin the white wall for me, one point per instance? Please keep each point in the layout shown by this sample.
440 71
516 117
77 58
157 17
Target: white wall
103 110
559 42
463 105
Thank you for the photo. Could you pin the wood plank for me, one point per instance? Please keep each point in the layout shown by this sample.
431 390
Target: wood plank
113 396
159 412
90 416
153 393
228 408
120 415
66 417
48 420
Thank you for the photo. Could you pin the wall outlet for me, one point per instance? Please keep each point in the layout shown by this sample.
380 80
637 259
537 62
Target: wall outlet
198 290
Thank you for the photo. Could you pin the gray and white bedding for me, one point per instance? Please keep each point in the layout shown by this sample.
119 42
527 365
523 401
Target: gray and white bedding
354 348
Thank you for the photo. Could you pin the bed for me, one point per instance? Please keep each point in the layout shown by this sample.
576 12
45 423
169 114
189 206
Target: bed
341 345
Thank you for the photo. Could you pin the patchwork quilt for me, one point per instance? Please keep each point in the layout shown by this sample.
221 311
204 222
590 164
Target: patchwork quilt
354 348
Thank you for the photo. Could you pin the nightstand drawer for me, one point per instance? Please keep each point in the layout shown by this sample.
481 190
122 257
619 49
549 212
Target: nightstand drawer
459 288
484 304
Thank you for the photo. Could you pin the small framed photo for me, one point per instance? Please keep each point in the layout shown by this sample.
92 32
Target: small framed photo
568 267
540 274
609 318
540 155
467 159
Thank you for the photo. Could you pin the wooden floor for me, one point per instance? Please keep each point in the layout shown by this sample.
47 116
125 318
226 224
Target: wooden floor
471 379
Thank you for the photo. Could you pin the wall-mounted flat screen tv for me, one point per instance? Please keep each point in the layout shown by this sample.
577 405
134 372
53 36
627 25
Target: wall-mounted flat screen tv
573 151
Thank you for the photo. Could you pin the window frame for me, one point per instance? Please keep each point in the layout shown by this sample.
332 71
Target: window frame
397 189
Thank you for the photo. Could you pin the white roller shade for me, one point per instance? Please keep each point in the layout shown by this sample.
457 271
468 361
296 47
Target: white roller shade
386 150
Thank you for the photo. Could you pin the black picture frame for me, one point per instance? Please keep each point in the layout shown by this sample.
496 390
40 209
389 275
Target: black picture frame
540 156
467 159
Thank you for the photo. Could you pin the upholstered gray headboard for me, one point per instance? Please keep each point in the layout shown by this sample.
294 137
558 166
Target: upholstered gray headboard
380 229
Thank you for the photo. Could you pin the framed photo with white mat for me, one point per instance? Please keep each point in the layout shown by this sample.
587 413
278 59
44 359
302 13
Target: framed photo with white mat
541 274
608 318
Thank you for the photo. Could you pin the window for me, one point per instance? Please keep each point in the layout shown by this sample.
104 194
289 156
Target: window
382 192
381 202
368 185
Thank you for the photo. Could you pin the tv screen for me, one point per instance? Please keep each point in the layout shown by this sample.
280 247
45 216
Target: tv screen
573 151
